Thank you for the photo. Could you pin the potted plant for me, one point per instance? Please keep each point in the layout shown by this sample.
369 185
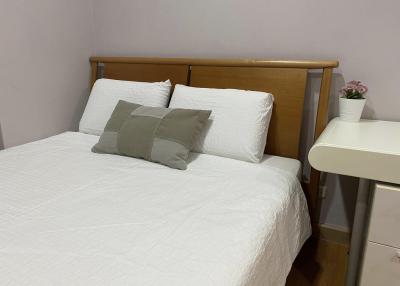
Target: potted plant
352 101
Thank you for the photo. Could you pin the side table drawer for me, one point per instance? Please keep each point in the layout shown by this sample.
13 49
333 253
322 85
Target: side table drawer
385 216
381 266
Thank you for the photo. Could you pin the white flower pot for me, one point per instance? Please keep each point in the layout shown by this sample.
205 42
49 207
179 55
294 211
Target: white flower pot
351 109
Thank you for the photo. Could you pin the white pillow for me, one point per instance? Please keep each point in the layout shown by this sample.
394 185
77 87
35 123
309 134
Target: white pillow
107 92
238 125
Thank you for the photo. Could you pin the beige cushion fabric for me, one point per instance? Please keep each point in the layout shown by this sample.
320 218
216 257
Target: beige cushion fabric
155 134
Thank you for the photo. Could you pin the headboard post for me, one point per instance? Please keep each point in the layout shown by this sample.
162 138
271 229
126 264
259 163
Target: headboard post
320 124
322 113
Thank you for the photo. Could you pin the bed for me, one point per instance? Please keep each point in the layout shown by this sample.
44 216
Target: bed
71 217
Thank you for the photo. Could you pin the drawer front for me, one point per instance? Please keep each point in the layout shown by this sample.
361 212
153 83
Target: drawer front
385 216
381 266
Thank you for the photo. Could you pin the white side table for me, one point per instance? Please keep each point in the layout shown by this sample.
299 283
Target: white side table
370 150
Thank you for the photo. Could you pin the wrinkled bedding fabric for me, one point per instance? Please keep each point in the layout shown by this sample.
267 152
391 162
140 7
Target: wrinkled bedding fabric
72 217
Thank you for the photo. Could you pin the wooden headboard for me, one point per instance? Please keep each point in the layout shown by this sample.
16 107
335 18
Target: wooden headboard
286 80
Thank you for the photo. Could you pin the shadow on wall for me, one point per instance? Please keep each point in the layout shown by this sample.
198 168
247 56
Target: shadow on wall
337 208
310 111
338 205
79 109
368 112
1 139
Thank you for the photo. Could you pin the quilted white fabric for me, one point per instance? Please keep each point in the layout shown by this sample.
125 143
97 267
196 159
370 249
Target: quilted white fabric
107 92
72 217
238 125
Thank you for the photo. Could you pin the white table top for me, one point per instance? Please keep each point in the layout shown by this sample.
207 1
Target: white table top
367 149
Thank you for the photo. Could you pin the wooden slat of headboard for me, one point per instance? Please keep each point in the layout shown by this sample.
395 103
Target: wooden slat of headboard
286 84
226 62
178 74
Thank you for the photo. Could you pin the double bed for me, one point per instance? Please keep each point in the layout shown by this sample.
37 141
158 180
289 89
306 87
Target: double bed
69 216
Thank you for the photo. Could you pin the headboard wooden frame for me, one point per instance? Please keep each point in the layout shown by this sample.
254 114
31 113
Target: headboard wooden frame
285 79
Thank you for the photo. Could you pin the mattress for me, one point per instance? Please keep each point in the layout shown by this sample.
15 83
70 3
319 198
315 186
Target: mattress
72 217
289 165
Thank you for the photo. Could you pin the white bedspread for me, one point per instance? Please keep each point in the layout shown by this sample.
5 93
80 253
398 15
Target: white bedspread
72 217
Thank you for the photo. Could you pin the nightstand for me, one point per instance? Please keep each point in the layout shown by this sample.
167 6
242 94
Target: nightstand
381 265
370 150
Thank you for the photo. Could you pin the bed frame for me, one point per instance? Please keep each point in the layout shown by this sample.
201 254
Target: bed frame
286 80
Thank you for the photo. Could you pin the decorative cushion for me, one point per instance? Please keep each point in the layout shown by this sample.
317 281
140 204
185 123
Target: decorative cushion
155 134
107 92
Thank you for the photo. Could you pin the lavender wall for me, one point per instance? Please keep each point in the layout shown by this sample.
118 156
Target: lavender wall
362 34
44 69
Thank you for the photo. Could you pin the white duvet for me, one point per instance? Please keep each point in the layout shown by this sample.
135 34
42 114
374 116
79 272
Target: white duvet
72 217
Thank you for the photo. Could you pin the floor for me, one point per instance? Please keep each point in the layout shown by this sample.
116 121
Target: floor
320 263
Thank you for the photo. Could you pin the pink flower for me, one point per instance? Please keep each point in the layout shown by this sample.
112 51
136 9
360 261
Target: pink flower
354 89
355 86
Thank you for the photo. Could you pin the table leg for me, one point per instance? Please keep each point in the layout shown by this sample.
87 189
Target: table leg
358 232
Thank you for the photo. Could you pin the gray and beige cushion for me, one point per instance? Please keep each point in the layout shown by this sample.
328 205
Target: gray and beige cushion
155 134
